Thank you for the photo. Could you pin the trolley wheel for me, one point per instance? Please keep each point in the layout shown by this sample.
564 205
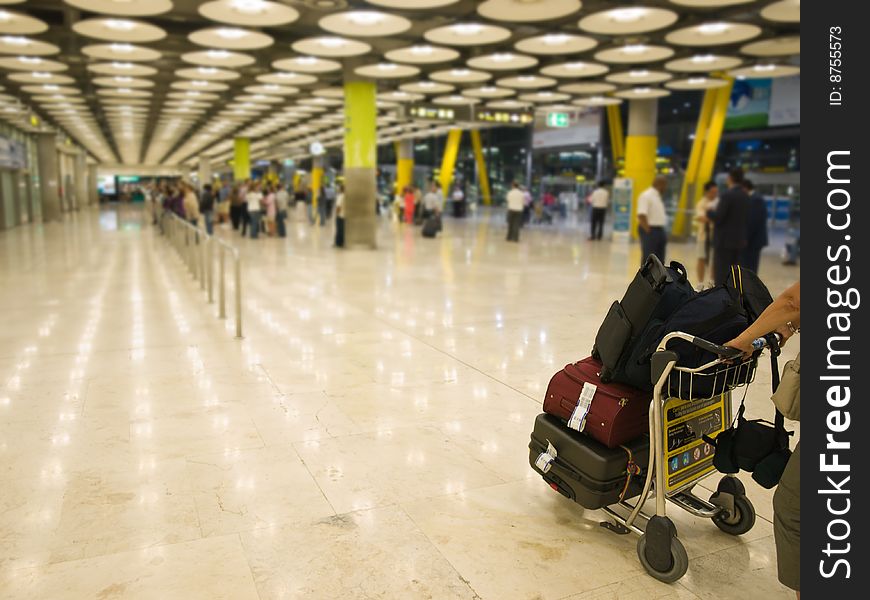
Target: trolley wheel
741 521
595 353
679 562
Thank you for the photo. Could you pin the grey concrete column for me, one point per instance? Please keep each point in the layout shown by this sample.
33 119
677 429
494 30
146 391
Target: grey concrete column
93 192
46 155
204 171
81 179
643 117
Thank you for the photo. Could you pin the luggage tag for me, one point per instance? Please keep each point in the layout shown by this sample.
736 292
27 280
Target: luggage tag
545 459
578 418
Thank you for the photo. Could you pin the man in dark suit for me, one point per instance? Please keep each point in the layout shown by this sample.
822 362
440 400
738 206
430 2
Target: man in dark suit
756 229
729 232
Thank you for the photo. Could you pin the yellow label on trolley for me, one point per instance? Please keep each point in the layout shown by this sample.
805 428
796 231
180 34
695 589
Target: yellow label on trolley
687 456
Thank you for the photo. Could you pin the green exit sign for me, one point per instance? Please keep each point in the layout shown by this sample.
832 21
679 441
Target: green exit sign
555 119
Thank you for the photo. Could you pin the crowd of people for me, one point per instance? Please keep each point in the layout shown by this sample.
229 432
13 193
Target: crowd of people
731 225
252 208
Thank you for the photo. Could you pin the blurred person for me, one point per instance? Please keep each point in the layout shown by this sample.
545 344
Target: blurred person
191 204
408 200
282 204
756 228
783 316
652 220
703 238
515 203
458 198
270 210
206 207
254 199
339 217
729 219
223 208
599 200
236 206
322 206
433 201
528 203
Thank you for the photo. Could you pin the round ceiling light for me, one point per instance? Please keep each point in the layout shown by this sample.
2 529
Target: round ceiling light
696 83
779 46
454 100
200 85
272 88
467 34
412 4
709 3
595 101
329 92
123 81
460 75
320 102
422 54
249 13
527 82
765 71
634 53
639 77
286 78
18 45
231 38
401 96
119 30
121 52
41 77
331 47
591 87
218 58
784 11
541 97
502 61
628 20
12 23
208 73
31 63
122 92
576 69
507 105
127 69
427 87
556 44
713 33
193 95
387 71
364 23
642 93
489 92
124 8
259 98
703 63
524 11
306 64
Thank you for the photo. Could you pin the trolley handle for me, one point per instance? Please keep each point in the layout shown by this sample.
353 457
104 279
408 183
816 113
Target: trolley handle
724 352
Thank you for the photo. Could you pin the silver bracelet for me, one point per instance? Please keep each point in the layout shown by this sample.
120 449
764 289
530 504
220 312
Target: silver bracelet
793 328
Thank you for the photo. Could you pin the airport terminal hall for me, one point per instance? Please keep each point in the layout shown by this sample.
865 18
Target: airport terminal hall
399 299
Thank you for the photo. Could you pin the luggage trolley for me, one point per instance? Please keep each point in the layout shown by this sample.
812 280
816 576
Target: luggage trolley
687 404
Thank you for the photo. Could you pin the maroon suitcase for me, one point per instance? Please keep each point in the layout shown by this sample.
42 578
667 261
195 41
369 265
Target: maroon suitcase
611 413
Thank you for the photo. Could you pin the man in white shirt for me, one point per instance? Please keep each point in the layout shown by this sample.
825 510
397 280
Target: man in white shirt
515 203
433 201
282 202
651 220
599 199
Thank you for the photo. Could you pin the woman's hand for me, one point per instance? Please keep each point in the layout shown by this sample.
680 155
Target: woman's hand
744 346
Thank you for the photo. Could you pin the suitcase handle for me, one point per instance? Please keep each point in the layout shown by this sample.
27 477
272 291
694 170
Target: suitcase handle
681 270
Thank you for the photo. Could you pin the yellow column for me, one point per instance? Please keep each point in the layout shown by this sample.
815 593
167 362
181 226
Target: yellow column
404 164
360 163
481 166
640 150
241 159
691 190
448 162
617 138
714 133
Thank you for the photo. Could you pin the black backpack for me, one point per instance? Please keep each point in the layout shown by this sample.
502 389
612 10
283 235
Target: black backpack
715 315
753 294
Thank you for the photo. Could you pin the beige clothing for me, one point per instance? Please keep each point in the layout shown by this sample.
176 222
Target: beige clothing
191 206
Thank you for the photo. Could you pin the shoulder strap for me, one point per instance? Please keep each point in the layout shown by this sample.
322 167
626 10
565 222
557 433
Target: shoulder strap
773 344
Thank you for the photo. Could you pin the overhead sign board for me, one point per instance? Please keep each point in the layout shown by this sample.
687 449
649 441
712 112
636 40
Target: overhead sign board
469 114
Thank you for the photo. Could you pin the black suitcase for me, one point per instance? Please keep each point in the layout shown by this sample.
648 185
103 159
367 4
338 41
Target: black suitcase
655 293
586 471
431 226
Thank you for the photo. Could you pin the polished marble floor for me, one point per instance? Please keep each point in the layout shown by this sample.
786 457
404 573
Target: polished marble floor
366 439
